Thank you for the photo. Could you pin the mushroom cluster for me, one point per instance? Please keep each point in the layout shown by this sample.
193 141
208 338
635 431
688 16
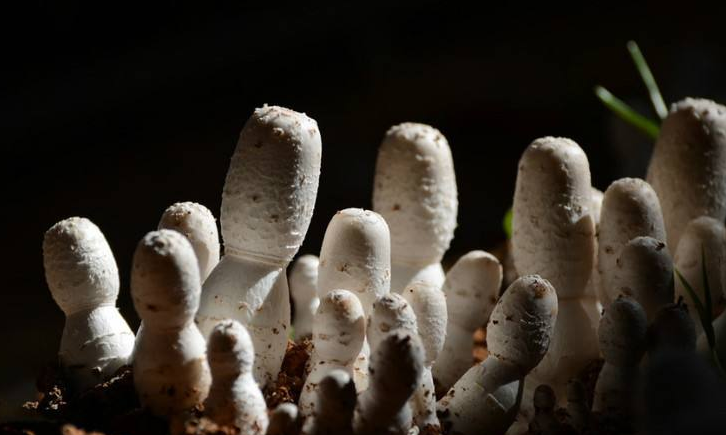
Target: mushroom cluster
390 332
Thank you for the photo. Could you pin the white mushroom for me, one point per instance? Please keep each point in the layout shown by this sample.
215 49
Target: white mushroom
472 289
171 374
704 236
688 166
333 411
644 271
356 256
622 336
630 209
338 332
197 223
415 191
234 397
554 236
267 204
429 305
395 372
487 397
304 294
83 279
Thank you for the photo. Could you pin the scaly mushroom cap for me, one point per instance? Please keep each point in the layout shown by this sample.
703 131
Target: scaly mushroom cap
80 269
391 312
522 323
415 191
339 326
688 166
356 255
165 284
553 230
644 271
396 366
630 209
197 223
229 349
429 304
271 185
622 332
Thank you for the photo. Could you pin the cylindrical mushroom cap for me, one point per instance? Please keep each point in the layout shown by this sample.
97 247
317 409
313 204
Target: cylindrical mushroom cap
644 271
391 312
622 332
79 266
672 328
553 230
472 289
271 185
339 326
165 282
229 349
284 419
397 366
522 323
336 395
304 278
704 236
596 199
429 304
415 191
197 223
688 166
356 255
630 209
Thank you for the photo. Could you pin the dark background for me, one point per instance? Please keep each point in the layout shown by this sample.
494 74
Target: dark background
115 112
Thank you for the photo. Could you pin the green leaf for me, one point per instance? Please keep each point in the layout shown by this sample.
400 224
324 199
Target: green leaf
655 96
507 223
627 113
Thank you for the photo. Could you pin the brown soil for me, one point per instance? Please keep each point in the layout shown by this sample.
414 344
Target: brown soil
291 379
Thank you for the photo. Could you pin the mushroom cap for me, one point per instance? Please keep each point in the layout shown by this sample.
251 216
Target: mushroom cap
553 229
80 269
390 312
644 271
271 185
630 209
521 325
356 255
415 191
707 234
230 349
672 328
337 391
688 166
165 284
304 278
622 332
396 366
339 327
472 289
429 305
197 223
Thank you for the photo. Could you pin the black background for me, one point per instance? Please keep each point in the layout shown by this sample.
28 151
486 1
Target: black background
114 112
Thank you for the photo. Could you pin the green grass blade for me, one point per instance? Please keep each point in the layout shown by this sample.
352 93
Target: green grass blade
507 223
707 326
655 96
627 113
